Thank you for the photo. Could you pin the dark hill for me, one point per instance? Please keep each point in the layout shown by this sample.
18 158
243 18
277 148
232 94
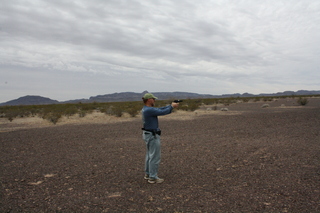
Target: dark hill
131 96
30 100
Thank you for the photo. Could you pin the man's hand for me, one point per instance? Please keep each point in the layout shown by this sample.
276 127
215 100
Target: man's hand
174 105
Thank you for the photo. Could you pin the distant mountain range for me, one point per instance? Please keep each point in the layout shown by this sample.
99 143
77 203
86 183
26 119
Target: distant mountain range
131 96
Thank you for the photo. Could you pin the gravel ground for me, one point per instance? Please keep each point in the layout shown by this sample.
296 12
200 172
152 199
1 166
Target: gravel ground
255 160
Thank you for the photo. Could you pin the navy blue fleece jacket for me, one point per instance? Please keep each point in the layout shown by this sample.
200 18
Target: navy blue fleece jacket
150 116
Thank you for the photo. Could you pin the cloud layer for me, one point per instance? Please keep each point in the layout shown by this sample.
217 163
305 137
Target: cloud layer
75 49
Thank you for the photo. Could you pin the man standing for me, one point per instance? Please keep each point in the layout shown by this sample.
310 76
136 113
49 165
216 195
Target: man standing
151 135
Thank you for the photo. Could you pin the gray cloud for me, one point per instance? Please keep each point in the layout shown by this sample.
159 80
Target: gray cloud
205 46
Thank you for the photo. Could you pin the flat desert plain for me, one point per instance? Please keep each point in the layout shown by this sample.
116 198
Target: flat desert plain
246 159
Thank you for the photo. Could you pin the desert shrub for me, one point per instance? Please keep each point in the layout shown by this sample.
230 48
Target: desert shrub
108 110
82 113
183 107
302 101
70 110
52 113
245 100
117 109
218 101
34 111
11 114
227 102
191 104
118 112
256 99
133 112
134 108
87 108
265 99
192 107
53 117
208 101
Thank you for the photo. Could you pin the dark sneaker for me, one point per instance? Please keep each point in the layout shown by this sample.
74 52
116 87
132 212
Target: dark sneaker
158 180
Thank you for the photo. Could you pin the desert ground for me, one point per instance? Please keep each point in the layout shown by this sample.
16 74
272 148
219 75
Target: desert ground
246 159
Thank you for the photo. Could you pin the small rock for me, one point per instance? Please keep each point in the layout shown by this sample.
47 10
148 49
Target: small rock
35 183
49 175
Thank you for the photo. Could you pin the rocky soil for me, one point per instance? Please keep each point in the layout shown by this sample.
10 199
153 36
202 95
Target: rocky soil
247 159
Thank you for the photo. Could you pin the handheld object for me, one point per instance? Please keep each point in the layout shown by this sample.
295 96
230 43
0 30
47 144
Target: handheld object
177 101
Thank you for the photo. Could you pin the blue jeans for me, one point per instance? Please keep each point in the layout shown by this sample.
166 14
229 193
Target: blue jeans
153 155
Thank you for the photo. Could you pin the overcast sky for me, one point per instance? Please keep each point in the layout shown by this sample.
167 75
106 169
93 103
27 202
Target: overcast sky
71 49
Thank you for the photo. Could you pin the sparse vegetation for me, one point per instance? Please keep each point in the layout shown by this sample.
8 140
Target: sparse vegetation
54 112
302 101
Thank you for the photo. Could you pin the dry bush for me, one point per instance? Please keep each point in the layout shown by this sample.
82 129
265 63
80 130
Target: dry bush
302 101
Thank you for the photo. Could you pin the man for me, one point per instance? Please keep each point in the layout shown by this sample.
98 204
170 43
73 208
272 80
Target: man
151 135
